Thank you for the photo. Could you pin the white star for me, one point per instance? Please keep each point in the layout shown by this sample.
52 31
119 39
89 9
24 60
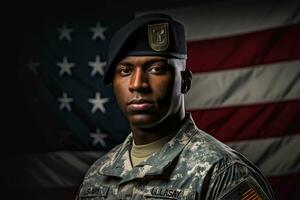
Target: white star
98 103
97 66
65 102
98 138
98 32
65 66
32 66
65 33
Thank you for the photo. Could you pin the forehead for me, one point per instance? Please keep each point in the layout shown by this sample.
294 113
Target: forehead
142 59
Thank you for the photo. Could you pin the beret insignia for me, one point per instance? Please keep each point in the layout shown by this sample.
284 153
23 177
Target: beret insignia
158 36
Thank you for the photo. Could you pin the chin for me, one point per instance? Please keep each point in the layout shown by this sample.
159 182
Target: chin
143 120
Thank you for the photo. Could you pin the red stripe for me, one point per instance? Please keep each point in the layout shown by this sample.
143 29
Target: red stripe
245 50
286 187
250 122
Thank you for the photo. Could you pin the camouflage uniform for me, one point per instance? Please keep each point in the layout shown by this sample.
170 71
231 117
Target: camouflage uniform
193 165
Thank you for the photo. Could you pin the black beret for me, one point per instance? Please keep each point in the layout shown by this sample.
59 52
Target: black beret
150 34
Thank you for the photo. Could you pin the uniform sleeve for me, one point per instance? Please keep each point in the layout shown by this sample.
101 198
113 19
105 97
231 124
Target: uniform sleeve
238 181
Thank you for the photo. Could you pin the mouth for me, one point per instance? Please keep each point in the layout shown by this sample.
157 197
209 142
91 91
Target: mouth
140 104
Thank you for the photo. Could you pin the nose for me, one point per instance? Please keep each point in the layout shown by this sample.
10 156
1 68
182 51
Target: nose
139 81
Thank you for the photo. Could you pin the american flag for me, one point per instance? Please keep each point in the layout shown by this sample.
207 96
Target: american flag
246 82
245 91
65 67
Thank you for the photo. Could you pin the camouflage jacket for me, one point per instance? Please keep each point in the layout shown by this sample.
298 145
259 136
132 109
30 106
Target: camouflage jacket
193 165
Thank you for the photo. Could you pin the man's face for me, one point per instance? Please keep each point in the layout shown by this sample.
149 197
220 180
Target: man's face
147 89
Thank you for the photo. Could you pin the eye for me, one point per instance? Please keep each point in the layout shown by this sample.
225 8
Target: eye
157 69
124 70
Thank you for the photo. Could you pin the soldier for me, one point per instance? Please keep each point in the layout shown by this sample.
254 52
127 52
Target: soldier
165 156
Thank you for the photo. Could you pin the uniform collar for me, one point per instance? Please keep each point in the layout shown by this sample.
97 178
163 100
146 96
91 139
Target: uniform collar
120 165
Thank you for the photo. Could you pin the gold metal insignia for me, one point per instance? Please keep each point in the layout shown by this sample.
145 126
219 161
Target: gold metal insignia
158 36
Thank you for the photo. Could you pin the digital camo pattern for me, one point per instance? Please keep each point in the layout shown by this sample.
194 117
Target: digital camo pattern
193 165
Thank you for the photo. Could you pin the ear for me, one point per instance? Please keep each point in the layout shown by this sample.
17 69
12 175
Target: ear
186 83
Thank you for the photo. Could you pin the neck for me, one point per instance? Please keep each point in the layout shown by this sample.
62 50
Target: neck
148 135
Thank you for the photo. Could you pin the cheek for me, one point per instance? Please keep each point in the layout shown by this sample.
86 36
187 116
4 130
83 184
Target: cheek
171 92
163 89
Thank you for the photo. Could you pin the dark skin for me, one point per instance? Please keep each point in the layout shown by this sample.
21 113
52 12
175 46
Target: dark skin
149 91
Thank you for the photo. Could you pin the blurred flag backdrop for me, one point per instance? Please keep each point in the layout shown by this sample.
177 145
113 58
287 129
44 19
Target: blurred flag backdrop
245 59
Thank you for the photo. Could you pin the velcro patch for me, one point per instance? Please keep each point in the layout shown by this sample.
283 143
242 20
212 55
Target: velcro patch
165 192
93 191
246 190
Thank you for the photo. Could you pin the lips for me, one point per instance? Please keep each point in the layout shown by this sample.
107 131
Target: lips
140 104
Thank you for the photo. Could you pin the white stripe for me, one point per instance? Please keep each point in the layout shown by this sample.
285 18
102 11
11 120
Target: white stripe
274 156
256 84
226 18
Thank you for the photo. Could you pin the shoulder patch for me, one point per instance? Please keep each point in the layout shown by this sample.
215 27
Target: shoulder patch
246 190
